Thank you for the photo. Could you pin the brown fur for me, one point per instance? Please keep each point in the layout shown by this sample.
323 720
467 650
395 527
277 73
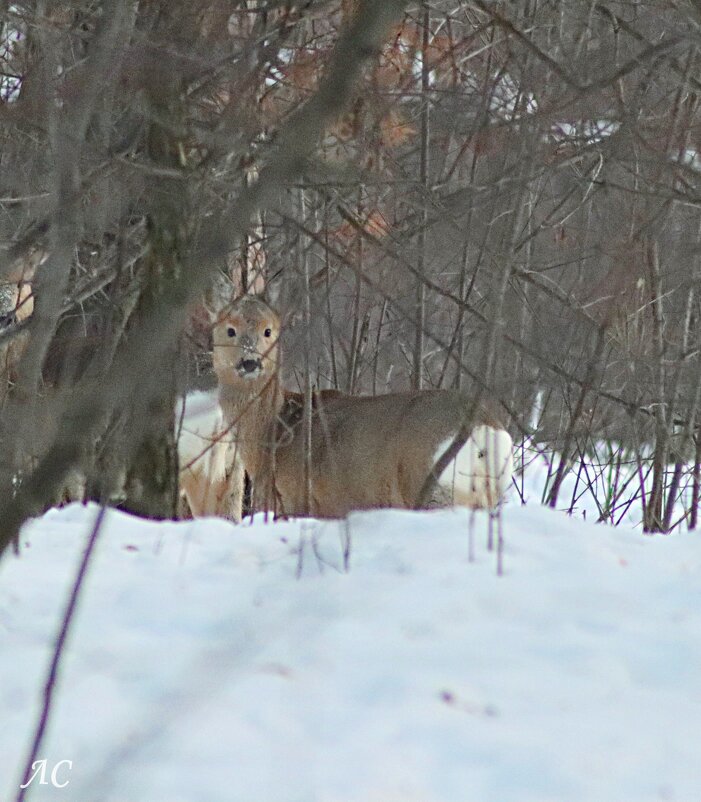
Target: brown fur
16 306
213 485
366 452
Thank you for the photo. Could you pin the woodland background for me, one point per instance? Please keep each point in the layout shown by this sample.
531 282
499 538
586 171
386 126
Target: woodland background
439 194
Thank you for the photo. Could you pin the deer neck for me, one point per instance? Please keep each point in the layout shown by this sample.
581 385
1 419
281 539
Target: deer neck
252 409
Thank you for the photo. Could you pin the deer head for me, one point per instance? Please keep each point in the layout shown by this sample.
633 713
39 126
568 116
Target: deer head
245 339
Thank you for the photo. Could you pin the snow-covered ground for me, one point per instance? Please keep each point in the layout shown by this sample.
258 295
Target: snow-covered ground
214 663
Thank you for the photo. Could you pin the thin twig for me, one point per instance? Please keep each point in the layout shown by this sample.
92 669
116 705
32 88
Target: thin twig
50 684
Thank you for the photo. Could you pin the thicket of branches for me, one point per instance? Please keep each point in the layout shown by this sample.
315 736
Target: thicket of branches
466 194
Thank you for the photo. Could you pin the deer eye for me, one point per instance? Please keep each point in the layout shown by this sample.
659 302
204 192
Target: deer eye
267 333
231 331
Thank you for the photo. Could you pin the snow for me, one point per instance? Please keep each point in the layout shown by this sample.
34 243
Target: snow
218 662
601 485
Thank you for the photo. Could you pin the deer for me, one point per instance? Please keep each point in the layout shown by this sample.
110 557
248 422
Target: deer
211 478
355 452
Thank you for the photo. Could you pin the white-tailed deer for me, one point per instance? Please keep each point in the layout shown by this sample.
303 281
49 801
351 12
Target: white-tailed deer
366 452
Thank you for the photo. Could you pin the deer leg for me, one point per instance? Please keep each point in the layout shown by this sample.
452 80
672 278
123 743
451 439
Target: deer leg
440 497
191 488
229 502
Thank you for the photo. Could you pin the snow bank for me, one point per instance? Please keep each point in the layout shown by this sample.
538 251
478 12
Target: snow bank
219 663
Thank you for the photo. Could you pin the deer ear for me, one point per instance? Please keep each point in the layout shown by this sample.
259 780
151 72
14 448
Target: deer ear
218 297
274 292
264 296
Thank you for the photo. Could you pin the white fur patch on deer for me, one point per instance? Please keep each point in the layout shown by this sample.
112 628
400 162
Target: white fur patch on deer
209 469
364 452
480 474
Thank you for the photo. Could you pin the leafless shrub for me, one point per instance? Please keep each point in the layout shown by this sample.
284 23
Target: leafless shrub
507 198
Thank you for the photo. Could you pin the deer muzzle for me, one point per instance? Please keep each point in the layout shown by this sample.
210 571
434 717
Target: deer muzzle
249 368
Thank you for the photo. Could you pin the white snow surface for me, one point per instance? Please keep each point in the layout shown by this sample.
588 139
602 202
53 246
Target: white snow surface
215 663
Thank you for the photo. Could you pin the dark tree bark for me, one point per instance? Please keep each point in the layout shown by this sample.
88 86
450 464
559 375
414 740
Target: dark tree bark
151 487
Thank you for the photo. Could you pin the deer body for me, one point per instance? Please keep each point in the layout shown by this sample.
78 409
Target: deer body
366 452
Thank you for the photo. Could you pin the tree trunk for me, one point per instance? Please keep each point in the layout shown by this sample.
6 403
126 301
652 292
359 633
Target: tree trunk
151 487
